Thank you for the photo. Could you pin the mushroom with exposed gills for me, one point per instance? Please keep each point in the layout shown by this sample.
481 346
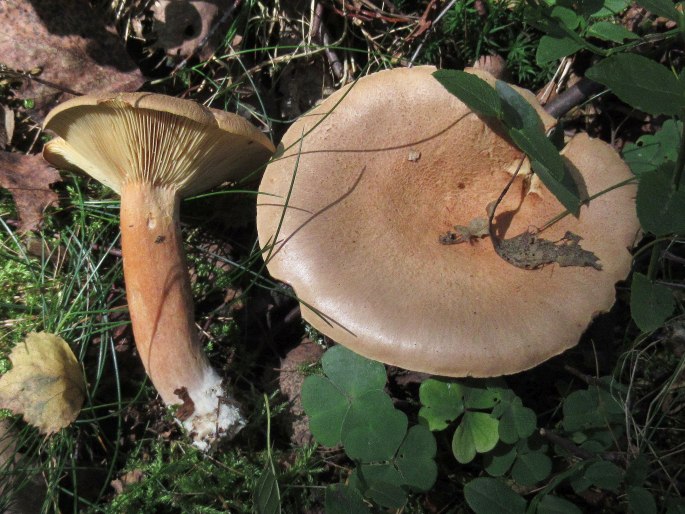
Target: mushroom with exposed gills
154 150
353 212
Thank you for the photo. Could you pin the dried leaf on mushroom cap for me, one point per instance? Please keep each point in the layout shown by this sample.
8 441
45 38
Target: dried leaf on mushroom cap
358 240
149 137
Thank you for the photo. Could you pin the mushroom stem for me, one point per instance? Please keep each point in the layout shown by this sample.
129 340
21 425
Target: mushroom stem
161 308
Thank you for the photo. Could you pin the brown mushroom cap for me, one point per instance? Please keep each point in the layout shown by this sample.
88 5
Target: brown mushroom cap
388 164
130 137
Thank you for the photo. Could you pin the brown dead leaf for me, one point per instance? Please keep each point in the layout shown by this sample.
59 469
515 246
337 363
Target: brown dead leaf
69 41
127 479
181 26
28 178
290 382
45 383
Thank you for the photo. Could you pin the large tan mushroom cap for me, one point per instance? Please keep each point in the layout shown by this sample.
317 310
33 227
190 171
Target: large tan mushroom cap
385 167
129 137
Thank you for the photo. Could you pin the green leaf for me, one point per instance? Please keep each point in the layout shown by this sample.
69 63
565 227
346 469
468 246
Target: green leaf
326 407
498 461
579 413
366 474
463 447
480 396
387 495
611 8
380 483
549 166
531 468
589 7
413 467
351 372
641 83
592 408
641 501
579 484
518 113
650 304
534 443
267 495
608 31
341 499
554 505
660 207
477 433
415 459
605 475
651 151
566 17
665 8
564 190
490 496
517 422
373 428
552 48
556 136
594 445
477 94
485 430
441 403
637 471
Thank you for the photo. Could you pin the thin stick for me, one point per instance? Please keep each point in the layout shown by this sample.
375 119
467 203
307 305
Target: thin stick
567 445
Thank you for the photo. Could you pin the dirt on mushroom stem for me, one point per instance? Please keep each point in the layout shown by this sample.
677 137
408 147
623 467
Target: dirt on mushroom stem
161 307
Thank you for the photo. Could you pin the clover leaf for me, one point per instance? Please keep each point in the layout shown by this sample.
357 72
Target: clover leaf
477 433
441 402
373 429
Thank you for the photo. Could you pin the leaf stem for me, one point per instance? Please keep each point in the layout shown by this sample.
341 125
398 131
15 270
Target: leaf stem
654 260
565 213
680 162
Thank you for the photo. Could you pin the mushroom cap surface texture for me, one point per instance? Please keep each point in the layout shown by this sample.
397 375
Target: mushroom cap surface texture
386 166
146 137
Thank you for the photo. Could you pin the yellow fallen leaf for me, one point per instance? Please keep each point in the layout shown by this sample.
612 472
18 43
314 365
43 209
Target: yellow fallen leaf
45 383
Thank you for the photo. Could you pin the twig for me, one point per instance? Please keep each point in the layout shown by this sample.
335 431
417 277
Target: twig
116 252
672 257
351 11
21 75
579 452
572 97
424 23
435 21
320 33
589 380
567 445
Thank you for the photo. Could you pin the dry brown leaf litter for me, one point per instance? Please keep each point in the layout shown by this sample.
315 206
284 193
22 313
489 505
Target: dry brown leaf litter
183 28
68 40
28 179
290 381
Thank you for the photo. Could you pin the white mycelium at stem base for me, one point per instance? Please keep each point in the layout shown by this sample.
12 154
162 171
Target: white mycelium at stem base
161 306
154 150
